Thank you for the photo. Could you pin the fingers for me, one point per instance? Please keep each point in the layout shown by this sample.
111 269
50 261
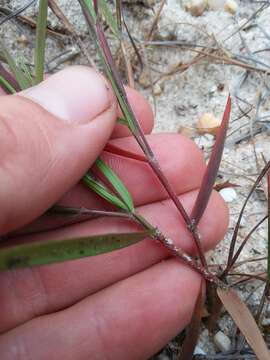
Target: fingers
142 111
132 319
42 156
32 292
2 91
35 141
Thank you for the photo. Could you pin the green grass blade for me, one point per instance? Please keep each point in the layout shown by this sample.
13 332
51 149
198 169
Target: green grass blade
7 86
52 251
106 12
117 184
9 77
122 121
40 41
26 70
109 64
102 191
16 71
90 8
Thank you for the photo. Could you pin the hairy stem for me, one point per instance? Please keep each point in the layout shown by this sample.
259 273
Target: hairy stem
178 252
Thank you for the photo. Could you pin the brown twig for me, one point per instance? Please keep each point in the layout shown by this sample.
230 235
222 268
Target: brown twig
236 229
70 29
154 24
32 23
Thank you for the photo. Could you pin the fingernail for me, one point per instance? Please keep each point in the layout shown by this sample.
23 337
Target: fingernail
75 94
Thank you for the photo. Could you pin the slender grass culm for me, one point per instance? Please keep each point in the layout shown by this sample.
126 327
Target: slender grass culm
40 41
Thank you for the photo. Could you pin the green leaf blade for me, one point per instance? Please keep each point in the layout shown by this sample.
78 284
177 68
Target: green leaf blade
117 184
102 191
106 12
7 85
48 252
16 71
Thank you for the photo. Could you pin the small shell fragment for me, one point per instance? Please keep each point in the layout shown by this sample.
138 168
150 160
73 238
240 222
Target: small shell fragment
215 4
157 89
222 341
23 40
231 7
196 7
144 79
208 124
228 194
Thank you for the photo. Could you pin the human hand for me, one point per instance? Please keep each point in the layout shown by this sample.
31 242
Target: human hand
122 305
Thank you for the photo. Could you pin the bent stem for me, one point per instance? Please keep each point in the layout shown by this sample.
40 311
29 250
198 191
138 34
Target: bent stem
116 82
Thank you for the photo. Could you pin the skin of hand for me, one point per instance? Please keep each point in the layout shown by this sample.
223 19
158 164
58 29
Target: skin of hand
122 305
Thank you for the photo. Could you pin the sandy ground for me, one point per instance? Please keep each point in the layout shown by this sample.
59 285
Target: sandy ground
189 87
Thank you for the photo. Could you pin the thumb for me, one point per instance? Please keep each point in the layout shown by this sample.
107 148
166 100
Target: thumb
49 136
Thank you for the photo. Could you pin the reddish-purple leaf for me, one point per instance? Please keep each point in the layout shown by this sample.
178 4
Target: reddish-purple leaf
193 331
214 306
212 168
95 3
113 149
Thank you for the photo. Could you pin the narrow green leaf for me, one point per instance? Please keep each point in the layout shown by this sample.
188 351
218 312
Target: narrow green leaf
116 183
16 71
9 78
108 62
26 70
52 251
102 191
122 121
90 8
40 40
106 12
7 85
